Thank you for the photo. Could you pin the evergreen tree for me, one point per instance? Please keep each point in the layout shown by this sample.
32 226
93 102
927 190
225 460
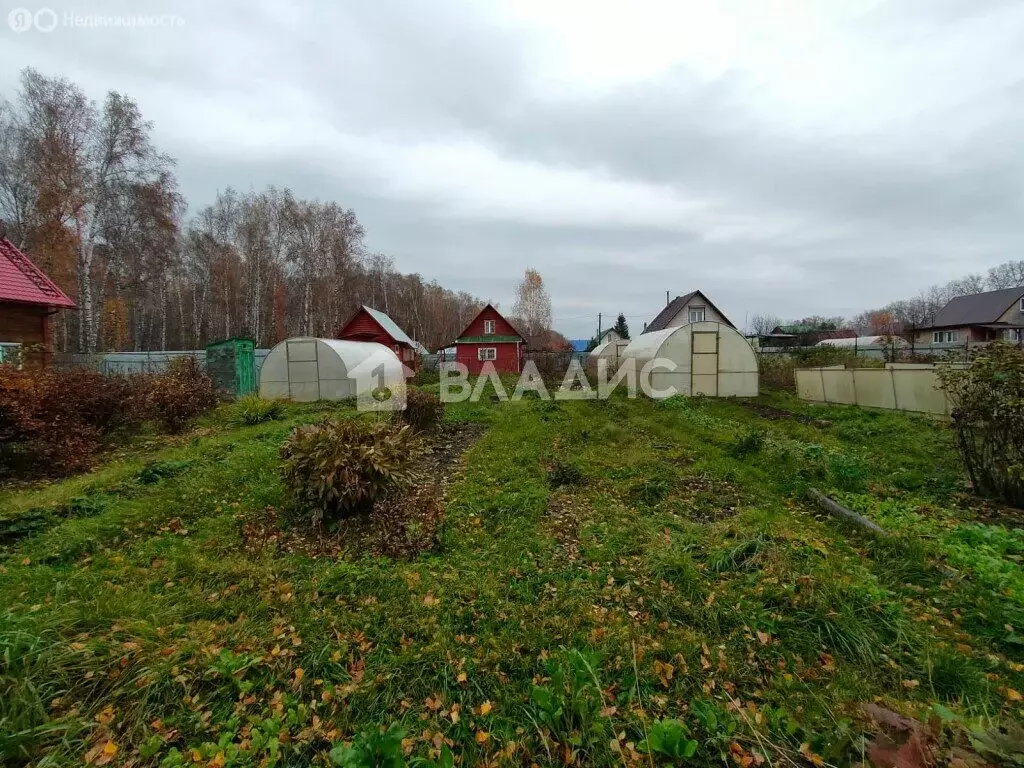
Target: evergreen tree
620 326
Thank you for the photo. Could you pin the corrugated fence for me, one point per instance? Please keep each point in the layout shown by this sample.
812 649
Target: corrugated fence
137 362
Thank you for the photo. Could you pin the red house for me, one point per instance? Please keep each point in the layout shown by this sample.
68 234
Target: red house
490 337
368 324
27 299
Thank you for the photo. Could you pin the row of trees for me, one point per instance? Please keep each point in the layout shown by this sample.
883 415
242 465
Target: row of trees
906 314
903 316
84 190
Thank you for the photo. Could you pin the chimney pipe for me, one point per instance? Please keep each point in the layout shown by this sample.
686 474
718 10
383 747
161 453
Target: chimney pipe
667 302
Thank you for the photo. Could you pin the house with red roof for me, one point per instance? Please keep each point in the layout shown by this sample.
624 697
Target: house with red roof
369 324
489 338
27 299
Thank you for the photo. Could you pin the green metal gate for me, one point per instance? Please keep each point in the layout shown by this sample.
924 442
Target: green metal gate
232 365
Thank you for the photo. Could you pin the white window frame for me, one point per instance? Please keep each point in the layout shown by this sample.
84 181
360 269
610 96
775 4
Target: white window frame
489 327
952 336
1022 303
696 314
486 353
945 337
937 337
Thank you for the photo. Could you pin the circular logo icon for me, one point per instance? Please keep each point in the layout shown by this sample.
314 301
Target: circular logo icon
45 19
20 19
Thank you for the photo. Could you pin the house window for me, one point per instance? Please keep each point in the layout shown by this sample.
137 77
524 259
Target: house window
696 314
10 353
940 337
487 353
1022 303
488 328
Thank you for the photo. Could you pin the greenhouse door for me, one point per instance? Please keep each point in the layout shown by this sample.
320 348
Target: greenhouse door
704 363
303 370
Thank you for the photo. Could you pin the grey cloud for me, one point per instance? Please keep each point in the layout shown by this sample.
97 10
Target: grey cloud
913 184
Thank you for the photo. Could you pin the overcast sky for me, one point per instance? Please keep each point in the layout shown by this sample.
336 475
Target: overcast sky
795 157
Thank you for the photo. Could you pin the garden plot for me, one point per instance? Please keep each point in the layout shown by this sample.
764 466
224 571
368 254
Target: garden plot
611 583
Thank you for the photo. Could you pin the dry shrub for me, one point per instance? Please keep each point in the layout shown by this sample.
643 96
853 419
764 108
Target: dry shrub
423 410
51 422
777 371
551 366
181 393
988 416
339 468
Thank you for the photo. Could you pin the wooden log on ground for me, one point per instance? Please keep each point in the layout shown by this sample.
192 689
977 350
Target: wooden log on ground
838 510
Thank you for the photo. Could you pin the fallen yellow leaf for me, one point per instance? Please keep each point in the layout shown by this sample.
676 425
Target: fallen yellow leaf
485 708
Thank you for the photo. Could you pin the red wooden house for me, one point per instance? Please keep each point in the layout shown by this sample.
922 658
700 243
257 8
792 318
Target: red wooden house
27 299
368 324
489 337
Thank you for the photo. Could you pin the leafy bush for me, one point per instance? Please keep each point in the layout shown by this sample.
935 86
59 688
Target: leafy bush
339 468
988 416
423 410
51 422
253 409
183 392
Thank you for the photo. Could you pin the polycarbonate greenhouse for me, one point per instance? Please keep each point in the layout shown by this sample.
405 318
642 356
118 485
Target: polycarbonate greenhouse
710 359
307 369
610 350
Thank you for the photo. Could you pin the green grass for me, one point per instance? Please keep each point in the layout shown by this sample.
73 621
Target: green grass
678 574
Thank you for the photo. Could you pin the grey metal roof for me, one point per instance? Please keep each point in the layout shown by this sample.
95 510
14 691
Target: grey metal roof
390 326
661 321
977 308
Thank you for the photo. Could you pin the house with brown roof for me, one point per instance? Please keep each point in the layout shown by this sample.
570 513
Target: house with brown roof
27 300
693 307
978 317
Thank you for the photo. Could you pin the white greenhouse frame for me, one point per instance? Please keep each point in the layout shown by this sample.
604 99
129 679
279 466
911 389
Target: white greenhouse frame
710 358
306 369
